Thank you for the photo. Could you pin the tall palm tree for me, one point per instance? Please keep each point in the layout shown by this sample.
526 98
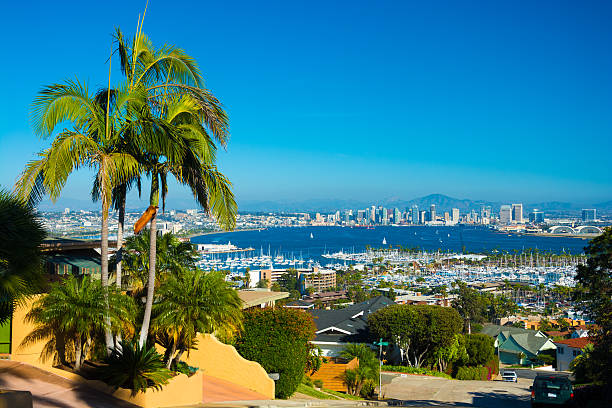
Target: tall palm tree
91 143
174 87
192 302
21 234
73 314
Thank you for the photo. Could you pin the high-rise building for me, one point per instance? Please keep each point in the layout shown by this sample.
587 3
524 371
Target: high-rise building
397 216
422 217
66 211
432 212
505 215
517 213
447 217
415 214
589 214
360 215
455 215
536 217
373 213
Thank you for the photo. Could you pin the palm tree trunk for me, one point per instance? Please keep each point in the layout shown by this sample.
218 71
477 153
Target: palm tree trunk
78 352
108 338
171 355
146 320
120 226
144 331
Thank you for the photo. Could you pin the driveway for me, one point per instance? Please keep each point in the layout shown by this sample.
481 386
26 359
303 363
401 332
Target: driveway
422 391
49 390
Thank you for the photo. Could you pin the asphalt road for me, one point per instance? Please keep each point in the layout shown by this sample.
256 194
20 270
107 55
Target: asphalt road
422 391
530 374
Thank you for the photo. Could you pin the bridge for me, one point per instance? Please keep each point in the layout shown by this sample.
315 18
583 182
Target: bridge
581 230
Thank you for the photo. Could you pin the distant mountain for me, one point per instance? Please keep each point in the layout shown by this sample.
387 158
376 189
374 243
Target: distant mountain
320 205
553 206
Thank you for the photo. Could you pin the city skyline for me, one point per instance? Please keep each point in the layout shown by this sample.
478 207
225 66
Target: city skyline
361 101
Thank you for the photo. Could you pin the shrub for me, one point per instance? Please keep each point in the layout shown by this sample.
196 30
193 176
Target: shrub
307 381
278 340
493 366
318 383
368 390
480 348
473 373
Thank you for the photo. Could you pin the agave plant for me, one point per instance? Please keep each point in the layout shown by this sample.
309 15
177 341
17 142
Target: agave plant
135 368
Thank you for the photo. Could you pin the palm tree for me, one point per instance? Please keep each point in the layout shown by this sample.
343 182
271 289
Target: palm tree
173 85
21 234
192 302
172 256
73 314
92 142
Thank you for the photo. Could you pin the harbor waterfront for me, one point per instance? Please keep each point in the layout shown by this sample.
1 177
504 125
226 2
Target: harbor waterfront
438 255
311 243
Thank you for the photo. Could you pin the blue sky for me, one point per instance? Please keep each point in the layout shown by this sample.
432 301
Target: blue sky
354 99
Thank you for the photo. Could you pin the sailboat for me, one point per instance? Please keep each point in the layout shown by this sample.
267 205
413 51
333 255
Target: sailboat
311 236
385 241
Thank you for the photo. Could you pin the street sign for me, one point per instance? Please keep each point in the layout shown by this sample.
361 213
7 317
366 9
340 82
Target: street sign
381 343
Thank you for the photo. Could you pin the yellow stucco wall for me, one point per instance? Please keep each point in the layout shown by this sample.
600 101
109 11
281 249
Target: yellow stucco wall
212 357
223 361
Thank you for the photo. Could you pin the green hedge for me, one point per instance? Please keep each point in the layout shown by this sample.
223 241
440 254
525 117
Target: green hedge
278 340
414 370
473 373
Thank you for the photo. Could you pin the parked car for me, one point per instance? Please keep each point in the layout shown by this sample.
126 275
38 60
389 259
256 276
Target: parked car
551 390
510 376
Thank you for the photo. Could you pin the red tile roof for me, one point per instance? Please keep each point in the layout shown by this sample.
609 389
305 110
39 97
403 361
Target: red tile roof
578 343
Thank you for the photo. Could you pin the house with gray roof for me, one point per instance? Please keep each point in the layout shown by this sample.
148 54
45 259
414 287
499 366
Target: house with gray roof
518 346
336 328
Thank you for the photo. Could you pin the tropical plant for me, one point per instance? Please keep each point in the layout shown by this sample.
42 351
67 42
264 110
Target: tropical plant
173 86
91 143
367 370
172 257
72 315
135 368
191 302
21 234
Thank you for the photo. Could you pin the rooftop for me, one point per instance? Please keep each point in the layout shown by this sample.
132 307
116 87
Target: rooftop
251 297
578 343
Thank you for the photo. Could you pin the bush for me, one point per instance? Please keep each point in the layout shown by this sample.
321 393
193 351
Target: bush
307 381
493 367
473 373
278 340
480 348
318 383
368 389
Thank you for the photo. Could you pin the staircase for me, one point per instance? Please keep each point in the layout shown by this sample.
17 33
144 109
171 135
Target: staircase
331 373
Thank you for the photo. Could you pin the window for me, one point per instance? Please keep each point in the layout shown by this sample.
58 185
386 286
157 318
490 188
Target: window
560 350
574 353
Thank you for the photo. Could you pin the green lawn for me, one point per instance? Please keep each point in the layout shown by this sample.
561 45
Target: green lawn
343 395
310 391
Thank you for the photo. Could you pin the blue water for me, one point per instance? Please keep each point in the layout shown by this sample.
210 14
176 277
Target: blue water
296 242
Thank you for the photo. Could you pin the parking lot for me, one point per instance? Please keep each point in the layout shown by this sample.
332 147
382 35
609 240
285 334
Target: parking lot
414 390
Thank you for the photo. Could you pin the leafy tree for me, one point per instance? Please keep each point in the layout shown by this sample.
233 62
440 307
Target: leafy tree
289 281
585 367
417 330
72 314
278 339
21 234
263 283
455 352
594 291
469 304
191 302
480 348
135 368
